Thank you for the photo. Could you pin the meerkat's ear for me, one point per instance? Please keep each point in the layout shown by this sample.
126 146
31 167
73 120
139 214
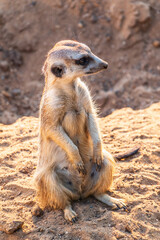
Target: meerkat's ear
44 68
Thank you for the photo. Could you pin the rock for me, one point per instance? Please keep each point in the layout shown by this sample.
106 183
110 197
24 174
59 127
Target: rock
57 26
156 43
14 57
15 92
130 18
37 211
8 117
25 170
94 19
6 94
53 231
142 12
108 36
119 234
26 102
81 24
33 3
2 77
10 227
26 43
4 65
14 226
128 228
6 88
120 226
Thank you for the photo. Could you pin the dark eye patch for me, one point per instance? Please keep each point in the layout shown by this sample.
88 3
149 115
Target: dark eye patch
57 71
84 61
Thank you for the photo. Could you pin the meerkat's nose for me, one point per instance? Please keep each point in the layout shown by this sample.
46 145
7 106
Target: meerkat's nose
103 65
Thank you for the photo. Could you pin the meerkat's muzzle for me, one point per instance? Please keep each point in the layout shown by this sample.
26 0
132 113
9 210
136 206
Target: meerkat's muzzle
103 65
97 66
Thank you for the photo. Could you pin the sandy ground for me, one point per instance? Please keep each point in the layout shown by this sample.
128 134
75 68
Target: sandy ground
124 33
136 180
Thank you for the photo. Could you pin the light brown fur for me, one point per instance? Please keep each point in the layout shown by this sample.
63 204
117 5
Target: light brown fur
72 162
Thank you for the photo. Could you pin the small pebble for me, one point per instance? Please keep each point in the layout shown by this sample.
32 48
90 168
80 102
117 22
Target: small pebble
94 19
4 65
108 37
6 94
33 3
3 77
11 227
40 229
50 230
81 24
15 92
37 211
128 229
156 43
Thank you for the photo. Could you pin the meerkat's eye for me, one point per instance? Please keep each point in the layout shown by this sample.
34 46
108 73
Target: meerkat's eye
83 61
57 71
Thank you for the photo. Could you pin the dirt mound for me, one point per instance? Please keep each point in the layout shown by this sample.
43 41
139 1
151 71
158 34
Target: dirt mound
124 33
136 179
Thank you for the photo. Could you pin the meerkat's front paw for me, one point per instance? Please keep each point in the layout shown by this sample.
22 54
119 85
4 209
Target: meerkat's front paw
98 155
98 160
118 203
78 163
70 215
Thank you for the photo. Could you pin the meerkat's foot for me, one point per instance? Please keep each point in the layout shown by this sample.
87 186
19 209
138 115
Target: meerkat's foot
69 214
110 201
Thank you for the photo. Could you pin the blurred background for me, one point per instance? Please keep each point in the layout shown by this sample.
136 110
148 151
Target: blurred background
125 33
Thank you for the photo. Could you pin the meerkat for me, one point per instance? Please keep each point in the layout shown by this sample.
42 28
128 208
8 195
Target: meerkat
72 161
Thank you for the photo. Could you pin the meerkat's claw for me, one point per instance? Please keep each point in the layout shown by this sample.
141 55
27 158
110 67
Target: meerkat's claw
98 167
118 204
98 161
74 219
70 215
81 168
125 208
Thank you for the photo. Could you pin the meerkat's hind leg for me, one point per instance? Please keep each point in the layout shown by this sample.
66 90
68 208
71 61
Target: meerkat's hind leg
110 201
69 214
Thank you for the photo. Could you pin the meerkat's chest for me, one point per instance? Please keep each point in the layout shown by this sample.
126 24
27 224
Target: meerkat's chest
75 106
75 117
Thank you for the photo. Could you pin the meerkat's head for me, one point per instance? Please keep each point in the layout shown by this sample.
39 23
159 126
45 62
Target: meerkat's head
68 60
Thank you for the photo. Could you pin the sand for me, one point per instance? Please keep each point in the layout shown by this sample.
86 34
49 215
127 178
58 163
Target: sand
124 33
136 180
